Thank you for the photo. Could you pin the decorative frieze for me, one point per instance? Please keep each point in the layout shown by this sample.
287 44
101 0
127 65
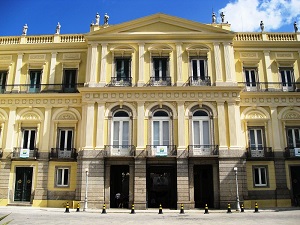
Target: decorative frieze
248 55
292 116
269 101
71 56
24 102
5 58
284 55
37 57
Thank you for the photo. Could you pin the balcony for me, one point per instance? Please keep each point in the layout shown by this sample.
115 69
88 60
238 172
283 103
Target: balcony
120 82
292 153
161 151
63 154
119 150
259 153
160 81
41 88
270 86
21 153
203 150
199 81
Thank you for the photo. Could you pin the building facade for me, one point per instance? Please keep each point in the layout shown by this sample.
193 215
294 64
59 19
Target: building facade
159 109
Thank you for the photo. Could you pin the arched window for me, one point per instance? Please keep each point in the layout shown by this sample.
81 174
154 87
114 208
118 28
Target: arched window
201 129
121 130
161 128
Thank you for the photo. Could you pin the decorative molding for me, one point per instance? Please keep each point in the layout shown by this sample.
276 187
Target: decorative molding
292 116
66 116
5 57
284 55
71 56
30 116
255 115
37 57
248 55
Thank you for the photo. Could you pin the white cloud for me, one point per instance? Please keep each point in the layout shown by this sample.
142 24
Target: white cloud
245 15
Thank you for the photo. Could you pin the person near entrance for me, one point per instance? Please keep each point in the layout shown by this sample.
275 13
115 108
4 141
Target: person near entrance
118 198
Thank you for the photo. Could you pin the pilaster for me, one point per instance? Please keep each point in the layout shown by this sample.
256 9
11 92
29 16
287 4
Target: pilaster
100 126
218 65
89 129
181 127
93 60
179 64
141 78
11 129
17 80
140 126
222 126
102 82
52 70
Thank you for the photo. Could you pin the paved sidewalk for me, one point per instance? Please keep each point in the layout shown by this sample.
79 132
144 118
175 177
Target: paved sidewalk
57 216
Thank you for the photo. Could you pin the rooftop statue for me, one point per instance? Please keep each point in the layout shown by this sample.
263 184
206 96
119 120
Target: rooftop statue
295 27
57 30
262 26
106 17
97 19
25 27
214 18
222 17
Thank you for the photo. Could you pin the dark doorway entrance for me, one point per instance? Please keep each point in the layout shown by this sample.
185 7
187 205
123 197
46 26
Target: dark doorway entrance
161 187
119 186
295 179
203 186
23 184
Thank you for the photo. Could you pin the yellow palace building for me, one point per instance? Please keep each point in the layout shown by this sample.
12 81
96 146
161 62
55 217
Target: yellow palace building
161 110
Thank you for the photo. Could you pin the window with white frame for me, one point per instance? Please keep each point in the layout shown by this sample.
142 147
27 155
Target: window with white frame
65 142
260 176
199 68
256 138
3 77
251 78
28 140
62 176
161 129
121 129
287 78
160 67
293 137
201 129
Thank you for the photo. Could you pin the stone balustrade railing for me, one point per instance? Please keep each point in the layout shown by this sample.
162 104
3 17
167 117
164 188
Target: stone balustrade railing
42 39
249 36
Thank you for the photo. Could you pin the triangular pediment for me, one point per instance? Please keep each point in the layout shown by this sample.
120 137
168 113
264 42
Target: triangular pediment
159 24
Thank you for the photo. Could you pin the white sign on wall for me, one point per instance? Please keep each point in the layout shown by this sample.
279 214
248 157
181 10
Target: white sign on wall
24 153
161 150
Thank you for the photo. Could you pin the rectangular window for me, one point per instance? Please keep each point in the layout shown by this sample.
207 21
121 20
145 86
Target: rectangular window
293 137
69 83
260 176
122 69
250 78
287 78
160 66
120 133
3 76
201 133
199 69
256 138
65 143
62 176
28 141
35 81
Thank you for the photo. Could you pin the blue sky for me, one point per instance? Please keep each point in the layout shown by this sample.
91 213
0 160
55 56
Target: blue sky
75 16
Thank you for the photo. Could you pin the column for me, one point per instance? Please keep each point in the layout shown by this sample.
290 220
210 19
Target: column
89 129
141 78
140 127
181 127
268 69
222 126
17 80
179 64
233 122
229 63
11 129
100 126
218 65
103 65
275 129
46 130
52 70
92 68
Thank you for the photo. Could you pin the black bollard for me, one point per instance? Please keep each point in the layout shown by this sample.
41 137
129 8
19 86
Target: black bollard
160 209
256 208
104 209
132 209
206 209
181 209
67 208
78 207
228 208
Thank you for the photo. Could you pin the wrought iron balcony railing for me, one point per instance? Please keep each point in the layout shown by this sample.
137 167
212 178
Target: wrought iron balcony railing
161 150
271 86
292 152
119 150
203 150
259 152
160 81
21 153
66 153
199 81
120 82
41 88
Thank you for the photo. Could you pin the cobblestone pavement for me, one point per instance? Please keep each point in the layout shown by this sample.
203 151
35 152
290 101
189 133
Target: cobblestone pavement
57 216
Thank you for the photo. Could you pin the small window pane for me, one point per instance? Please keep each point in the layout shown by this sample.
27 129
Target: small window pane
196 126
166 134
116 133
156 133
125 132
205 133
